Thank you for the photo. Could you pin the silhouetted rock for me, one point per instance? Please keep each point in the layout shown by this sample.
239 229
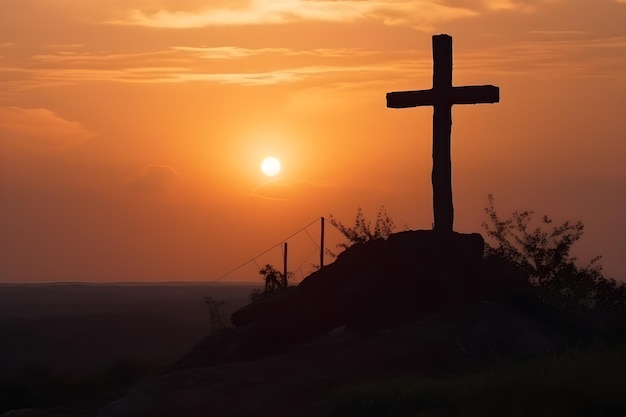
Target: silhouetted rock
420 301
384 284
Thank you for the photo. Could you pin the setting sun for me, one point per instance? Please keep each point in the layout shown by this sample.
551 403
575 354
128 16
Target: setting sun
270 166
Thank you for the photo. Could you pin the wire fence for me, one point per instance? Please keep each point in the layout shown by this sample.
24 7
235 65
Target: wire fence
303 248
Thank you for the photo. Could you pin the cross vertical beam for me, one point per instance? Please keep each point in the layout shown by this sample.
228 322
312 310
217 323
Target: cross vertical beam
442 96
443 209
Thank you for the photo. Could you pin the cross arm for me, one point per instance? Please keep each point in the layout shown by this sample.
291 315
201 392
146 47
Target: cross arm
404 99
473 94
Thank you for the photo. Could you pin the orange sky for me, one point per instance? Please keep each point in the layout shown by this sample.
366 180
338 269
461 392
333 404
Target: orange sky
131 131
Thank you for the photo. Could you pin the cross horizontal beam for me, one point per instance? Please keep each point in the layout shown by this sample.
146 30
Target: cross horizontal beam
473 94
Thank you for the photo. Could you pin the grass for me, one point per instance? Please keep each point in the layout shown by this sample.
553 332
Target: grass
578 383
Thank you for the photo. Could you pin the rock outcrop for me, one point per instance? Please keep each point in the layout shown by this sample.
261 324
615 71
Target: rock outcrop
382 284
418 303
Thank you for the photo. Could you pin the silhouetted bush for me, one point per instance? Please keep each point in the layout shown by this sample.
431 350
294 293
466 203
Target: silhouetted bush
545 256
214 313
362 231
541 254
275 282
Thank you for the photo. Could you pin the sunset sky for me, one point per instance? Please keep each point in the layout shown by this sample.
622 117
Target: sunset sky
132 131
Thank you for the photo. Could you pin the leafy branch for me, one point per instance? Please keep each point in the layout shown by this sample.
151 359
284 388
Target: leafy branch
362 231
545 256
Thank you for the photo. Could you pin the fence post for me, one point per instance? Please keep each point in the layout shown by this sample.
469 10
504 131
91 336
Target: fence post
322 243
285 267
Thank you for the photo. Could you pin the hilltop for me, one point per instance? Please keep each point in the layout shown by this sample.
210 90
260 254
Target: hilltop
418 303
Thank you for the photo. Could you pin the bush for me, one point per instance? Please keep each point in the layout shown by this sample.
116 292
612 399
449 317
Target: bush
362 231
545 256
275 282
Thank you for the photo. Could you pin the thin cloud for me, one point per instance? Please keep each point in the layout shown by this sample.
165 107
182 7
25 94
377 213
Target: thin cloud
233 52
229 52
63 68
526 6
284 76
65 45
506 5
547 57
250 79
153 179
33 78
40 127
413 13
90 57
557 32
543 57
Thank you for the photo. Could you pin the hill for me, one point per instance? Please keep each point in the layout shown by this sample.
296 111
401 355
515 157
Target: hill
420 304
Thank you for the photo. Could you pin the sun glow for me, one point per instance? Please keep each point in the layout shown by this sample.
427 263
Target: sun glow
270 166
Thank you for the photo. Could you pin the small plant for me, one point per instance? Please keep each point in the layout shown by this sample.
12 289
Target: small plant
362 231
275 282
214 313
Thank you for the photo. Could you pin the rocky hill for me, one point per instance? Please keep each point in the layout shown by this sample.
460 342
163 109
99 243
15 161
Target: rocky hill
419 302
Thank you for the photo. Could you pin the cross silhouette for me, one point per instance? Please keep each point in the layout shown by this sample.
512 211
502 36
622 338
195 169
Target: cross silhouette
442 96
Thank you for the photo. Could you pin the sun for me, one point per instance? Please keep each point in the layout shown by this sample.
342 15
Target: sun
270 166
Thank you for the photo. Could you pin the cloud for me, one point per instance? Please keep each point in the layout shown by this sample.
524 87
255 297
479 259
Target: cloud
545 53
77 57
40 127
413 13
557 32
526 6
585 58
180 64
65 45
286 75
228 52
153 178
507 5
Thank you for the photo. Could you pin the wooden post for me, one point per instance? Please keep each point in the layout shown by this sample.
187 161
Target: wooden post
285 267
442 126
322 242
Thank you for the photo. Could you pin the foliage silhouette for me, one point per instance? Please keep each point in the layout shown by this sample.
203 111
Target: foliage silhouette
545 256
362 231
539 253
214 313
275 282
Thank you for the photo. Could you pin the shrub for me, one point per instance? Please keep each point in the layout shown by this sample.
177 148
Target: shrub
545 256
362 231
275 282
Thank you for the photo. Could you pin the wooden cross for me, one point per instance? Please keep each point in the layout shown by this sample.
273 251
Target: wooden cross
442 96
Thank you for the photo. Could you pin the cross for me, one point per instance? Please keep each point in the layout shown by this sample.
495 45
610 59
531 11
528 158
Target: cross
442 96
